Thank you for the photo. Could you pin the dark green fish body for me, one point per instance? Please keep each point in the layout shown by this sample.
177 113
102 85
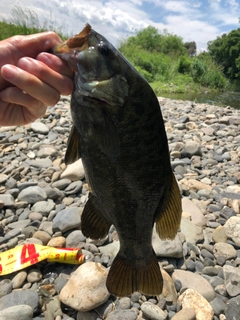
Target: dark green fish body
119 133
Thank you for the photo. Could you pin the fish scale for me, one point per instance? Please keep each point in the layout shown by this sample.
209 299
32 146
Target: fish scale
119 133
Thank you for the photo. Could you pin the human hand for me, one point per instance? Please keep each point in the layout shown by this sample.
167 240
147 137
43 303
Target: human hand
30 78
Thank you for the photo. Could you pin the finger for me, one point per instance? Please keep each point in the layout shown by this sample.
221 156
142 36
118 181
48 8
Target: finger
34 43
55 63
59 82
22 108
17 96
31 84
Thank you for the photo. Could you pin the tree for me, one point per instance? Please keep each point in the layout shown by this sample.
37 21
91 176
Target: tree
191 48
151 40
225 51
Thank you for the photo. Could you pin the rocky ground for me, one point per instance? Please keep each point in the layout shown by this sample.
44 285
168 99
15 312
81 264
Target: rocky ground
41 202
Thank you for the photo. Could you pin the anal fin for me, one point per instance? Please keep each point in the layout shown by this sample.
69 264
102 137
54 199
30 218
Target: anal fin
94 225
128 275
168 221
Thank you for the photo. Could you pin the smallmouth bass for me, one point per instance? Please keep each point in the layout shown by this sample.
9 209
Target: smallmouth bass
119 133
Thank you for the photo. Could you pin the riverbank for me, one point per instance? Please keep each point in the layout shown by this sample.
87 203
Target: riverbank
41 202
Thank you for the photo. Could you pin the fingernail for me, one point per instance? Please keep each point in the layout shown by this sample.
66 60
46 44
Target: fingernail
8 72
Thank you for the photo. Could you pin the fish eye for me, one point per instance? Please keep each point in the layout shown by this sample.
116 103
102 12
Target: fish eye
103 49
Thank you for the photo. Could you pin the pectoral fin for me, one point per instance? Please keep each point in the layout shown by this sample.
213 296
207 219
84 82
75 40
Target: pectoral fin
73 152
168 221
94 225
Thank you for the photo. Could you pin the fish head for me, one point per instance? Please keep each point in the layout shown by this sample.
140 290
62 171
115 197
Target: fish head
98 67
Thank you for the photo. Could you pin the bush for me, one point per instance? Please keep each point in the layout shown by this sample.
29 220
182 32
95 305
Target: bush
184 65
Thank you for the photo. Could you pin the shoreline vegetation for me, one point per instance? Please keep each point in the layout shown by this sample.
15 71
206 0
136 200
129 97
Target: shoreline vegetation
167 63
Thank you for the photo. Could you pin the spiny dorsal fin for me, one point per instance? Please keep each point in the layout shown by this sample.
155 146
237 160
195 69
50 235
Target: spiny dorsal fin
128 275
73 152
168 221
94 225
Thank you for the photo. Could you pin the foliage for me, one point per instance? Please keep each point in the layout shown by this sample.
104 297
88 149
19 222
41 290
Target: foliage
191 48
164 58
151 40
24 22
225 51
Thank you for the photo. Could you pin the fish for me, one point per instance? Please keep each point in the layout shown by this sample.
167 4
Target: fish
118 132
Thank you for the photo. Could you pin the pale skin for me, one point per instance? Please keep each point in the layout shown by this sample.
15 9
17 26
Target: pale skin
30 78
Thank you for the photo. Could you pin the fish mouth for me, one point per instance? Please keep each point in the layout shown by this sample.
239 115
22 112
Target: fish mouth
79 42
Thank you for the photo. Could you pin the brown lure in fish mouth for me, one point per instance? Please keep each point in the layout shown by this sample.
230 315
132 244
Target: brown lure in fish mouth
78 42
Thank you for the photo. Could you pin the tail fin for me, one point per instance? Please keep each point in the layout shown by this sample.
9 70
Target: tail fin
128 275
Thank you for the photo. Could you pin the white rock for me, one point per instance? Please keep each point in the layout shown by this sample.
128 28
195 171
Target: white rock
192 299
74 171
86 288
232 229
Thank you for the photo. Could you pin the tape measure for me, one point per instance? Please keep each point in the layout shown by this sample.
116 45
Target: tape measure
28 254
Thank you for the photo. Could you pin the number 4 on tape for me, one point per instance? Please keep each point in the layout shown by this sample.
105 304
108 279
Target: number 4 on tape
29 254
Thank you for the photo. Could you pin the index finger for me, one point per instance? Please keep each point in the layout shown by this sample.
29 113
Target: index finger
55 63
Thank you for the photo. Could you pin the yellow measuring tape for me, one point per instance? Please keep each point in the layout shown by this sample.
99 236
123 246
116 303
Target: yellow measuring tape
28 254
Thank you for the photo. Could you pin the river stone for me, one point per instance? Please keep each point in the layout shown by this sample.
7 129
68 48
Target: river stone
3 178
224 249
20 312
32 194
74 171
20 297
192 232
40 163
7 200
19 279
197 216
232 311
44 207
6 287
39 127
192 299
167 248
185 314
232 280
152 311
194 281
66 219
122 315
169 291
86 288
232 229
219 234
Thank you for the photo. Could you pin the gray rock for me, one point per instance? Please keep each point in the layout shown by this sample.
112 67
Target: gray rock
122 315
232 280
194 281
40 163
74 239
192 232
218 306
32 194
19 225
5 287
232 311
153 311
47 152
7 199
66 219
44 207
61 184
20 297
224 250
39 127
20 312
